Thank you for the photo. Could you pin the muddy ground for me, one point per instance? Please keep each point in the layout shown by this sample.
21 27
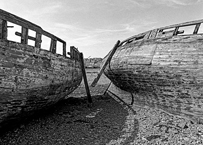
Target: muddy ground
73 121
109 120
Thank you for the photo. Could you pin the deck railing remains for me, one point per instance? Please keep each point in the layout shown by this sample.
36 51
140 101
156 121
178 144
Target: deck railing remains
26 25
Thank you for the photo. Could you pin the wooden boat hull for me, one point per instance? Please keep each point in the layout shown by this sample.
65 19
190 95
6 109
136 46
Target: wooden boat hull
166 73
32 79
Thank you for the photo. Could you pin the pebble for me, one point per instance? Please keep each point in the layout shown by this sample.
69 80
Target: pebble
186 138
175 131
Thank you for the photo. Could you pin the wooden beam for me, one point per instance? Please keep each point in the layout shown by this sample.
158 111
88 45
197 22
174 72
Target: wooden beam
10 26
24 35
183 24
38 40
175 31
105 64
74 53
19 21
3 30
53 46
64 49
153 34
5 16
29 37
71 52
196 28
89 98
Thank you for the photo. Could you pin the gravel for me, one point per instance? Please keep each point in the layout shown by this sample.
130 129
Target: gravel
71 122
74 122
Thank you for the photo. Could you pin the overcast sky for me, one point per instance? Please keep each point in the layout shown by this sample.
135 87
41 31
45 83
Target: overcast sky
94 26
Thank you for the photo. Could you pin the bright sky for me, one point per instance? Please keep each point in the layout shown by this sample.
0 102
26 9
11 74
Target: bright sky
94 26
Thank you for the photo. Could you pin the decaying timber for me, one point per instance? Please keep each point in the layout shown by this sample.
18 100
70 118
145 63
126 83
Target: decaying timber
163 68
32 78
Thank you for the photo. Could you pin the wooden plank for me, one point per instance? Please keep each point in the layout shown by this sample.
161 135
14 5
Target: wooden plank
5 16
1 28
17 20
4 30
138 35
53 46
153 34
183 24
197 22
105 64
64 49
176 31
38 40
24 37
52 36
29 37
71 52
196 28
74 53
85 78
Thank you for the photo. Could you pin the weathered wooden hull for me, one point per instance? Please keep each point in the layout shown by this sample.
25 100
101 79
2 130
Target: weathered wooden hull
166 73
32 79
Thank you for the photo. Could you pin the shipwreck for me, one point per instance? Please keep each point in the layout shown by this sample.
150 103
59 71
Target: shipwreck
32 78
162 68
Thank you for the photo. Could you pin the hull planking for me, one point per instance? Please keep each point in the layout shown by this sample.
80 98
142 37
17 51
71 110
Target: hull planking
32 78
162 68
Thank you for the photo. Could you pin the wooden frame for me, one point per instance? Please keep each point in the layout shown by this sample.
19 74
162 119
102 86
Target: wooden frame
26 26
155 32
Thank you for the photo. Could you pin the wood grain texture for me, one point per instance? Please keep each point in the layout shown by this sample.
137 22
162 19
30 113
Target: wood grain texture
32 78
166 73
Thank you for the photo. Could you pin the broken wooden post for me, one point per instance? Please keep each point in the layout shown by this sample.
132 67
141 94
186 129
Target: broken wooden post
105 64
89 98
24 35
38 40
3 29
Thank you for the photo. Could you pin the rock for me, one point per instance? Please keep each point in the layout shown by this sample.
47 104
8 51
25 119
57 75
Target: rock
186 138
